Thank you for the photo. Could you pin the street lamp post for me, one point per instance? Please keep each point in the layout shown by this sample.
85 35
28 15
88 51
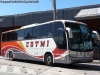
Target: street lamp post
54 9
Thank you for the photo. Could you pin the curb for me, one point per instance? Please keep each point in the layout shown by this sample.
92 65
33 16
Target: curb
96 61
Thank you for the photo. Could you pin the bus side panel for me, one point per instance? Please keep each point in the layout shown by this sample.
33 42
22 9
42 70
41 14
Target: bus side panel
18 50
8 46
33 49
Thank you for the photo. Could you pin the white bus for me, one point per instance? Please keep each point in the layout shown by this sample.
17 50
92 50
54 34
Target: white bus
58 41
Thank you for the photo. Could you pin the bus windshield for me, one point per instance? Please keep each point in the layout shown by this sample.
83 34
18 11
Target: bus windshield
81 37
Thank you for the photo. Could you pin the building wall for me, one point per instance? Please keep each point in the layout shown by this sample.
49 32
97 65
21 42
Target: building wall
93 24
42 16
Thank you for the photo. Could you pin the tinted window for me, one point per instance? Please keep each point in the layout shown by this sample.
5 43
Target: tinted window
62 40
37 32
4 37
28 33
20 34
9 36
14 35
59 35
47 31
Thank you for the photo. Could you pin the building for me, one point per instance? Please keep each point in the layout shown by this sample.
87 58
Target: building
88 14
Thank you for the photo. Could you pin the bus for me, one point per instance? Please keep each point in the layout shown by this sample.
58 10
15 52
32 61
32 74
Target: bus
58 41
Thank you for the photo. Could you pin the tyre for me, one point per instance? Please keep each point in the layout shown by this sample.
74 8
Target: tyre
48 59
11 57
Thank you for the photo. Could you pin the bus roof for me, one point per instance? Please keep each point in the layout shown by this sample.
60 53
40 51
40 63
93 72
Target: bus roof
38 24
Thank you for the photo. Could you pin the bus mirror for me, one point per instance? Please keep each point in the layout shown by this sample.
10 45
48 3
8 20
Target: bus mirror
69 32
95 38
95 35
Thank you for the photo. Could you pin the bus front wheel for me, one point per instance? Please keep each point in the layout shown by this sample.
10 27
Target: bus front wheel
11 56
48 59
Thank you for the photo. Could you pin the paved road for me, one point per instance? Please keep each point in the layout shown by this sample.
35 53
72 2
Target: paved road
20 67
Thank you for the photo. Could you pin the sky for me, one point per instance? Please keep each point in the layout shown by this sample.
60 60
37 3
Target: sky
43 5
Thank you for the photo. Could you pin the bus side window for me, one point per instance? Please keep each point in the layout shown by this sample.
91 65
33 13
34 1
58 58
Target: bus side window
37 31
9 36
47 31
4 37
20 34
59 35
28 33
14 35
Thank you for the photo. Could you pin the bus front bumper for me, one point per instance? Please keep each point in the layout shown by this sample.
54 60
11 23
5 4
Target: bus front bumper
81 60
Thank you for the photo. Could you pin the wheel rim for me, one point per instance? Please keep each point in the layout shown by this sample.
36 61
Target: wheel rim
49 60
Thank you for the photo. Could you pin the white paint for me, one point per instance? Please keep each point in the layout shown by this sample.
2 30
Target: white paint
3 68
31 71
16 70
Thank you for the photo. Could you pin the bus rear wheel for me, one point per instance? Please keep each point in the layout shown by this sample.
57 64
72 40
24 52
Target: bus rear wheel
48 59
11 57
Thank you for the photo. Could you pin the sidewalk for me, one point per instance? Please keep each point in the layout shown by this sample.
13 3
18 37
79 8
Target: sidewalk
96 61
2 57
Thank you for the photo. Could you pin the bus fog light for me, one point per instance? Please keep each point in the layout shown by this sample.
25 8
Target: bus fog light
70 60
63 58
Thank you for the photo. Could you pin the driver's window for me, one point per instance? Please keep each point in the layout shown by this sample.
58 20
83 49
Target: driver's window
62 40
59 35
